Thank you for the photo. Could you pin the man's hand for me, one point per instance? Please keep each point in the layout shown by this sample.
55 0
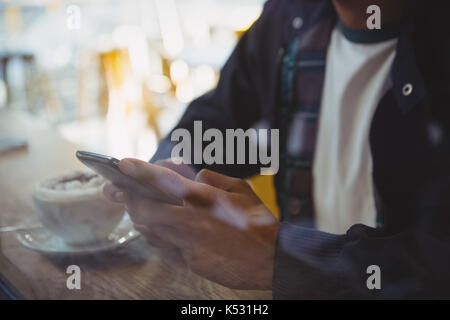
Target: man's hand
183 169
118 195
224 231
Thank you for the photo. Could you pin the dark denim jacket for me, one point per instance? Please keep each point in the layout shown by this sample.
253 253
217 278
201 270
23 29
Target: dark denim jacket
409 140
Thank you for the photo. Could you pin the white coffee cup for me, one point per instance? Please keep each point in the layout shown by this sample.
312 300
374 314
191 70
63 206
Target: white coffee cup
72 206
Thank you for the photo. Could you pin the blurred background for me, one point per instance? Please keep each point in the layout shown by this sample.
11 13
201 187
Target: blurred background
113 75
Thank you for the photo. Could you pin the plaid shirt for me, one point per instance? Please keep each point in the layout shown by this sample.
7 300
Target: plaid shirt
303 71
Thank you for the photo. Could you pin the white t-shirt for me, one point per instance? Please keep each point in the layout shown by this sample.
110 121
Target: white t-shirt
357 76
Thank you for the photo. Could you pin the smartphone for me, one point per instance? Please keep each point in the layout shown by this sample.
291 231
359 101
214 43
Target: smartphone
108 167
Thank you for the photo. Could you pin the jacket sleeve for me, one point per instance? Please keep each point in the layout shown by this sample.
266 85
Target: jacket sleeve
413 262
238 100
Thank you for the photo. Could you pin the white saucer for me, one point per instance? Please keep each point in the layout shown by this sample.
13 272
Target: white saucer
41 240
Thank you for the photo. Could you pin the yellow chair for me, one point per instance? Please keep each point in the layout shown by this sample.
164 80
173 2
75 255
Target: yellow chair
265 190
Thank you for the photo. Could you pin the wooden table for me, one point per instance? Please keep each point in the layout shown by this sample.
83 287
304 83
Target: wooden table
135 271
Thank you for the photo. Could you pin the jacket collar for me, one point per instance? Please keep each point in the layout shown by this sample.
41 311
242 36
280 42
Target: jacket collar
405 70
408 83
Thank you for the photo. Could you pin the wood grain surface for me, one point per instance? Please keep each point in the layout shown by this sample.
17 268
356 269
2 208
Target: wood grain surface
134 271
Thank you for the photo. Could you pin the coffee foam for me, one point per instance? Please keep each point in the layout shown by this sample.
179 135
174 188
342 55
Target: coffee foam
72 186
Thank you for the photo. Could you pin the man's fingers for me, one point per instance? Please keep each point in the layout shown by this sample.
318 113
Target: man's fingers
222 182
114 193
162 224
184 169
146 212
165 180
164 237
152 238
173 236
